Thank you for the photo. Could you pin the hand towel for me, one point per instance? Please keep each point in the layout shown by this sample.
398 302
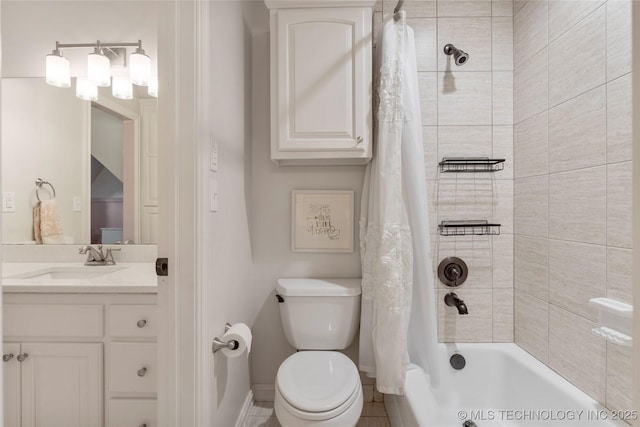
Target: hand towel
50 227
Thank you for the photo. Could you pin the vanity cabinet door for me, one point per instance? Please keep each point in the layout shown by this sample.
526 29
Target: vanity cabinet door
11 384
321 85
62 385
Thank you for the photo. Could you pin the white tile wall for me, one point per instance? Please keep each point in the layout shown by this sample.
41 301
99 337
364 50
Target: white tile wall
577 59
578 132
463 8
531 146
578 205
532 325
530 30
576 353
464 98
532 80
468 111
577 273
619 119
618 38
619 204
578 138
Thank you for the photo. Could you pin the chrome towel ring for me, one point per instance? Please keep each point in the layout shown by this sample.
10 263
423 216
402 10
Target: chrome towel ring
39 183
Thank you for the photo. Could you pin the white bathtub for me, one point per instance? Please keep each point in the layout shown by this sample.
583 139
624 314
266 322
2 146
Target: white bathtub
501 385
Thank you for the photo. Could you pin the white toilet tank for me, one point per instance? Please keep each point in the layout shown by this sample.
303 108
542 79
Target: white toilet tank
319 314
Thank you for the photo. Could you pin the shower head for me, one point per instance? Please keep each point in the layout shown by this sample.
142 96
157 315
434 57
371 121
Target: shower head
460 57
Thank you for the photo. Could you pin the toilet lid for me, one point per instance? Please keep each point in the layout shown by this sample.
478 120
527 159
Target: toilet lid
317 381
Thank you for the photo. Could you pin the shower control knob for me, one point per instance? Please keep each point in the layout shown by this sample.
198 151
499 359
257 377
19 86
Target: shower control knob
452 271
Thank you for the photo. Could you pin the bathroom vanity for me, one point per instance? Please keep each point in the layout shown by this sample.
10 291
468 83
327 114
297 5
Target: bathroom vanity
79 344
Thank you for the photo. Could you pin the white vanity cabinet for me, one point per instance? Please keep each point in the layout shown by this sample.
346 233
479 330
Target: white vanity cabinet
53 384
85 360
321 73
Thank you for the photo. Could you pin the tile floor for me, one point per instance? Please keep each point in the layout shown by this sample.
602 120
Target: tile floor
261 414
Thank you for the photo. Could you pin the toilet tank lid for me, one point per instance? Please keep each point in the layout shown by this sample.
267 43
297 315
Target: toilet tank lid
318 287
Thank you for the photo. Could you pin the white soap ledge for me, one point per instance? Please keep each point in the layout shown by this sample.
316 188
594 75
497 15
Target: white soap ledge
615 320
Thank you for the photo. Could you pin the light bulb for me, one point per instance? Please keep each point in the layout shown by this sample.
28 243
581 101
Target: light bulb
152 89
122 87
140 67
58 70
86 89
99 68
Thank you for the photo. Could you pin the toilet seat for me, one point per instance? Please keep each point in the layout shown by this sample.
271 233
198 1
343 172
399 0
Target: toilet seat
318 385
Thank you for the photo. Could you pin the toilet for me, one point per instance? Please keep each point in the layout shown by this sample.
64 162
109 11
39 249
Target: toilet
318 386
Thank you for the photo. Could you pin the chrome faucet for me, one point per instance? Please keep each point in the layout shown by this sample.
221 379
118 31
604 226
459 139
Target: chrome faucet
452 300
96 256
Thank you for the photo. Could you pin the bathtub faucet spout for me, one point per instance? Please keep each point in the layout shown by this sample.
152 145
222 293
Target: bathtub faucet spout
452 300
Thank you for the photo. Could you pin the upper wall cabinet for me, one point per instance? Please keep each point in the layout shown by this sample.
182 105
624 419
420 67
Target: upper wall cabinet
321 82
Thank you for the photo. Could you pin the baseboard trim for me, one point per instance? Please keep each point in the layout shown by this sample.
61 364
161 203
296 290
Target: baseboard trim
264 392
246 410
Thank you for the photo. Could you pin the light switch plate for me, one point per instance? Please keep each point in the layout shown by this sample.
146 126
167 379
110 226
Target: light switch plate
77 204
8 201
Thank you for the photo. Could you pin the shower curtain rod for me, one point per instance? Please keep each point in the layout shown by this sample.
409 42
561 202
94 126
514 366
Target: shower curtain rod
396 11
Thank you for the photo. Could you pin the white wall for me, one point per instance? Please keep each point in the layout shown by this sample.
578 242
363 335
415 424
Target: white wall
271 221
44 136
231 284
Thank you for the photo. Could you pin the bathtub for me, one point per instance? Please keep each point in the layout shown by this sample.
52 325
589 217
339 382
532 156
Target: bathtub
500 385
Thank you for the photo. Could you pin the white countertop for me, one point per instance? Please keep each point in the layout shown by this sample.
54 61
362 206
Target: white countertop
134 277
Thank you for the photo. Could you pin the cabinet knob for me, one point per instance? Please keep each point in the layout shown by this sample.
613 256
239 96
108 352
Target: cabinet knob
21 357
141 323
359 140
142 372
143 425
7 357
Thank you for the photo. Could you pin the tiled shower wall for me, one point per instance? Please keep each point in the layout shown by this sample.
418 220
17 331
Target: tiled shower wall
468 111
573 186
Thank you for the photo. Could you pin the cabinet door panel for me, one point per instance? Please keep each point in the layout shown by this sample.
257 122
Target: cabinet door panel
323 79
62 385
11 386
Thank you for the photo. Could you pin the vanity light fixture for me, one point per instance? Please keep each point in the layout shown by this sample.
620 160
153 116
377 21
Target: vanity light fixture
99 70
99 67
140 67
58 67
122 87
86 89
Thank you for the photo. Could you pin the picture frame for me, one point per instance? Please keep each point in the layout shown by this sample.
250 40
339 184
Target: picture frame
322 221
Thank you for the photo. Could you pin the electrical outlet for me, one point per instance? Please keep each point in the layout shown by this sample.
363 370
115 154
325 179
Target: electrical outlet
213 159
77 204
213 195
8 201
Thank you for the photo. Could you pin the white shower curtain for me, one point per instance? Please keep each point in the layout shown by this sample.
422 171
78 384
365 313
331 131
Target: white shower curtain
398 321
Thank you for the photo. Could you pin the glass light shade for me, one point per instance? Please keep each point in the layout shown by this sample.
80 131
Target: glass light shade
58 70
140 68
152 89
86 89
122 87
99 68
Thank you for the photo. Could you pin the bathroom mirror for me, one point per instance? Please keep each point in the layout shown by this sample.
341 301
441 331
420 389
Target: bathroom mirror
48 133
98 156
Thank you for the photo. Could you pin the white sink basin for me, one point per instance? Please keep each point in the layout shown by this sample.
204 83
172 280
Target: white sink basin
67 273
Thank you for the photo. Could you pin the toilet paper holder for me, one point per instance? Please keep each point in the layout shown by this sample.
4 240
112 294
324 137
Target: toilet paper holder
218 344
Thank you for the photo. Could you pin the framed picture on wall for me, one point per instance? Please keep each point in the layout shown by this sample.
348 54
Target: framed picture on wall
322 221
